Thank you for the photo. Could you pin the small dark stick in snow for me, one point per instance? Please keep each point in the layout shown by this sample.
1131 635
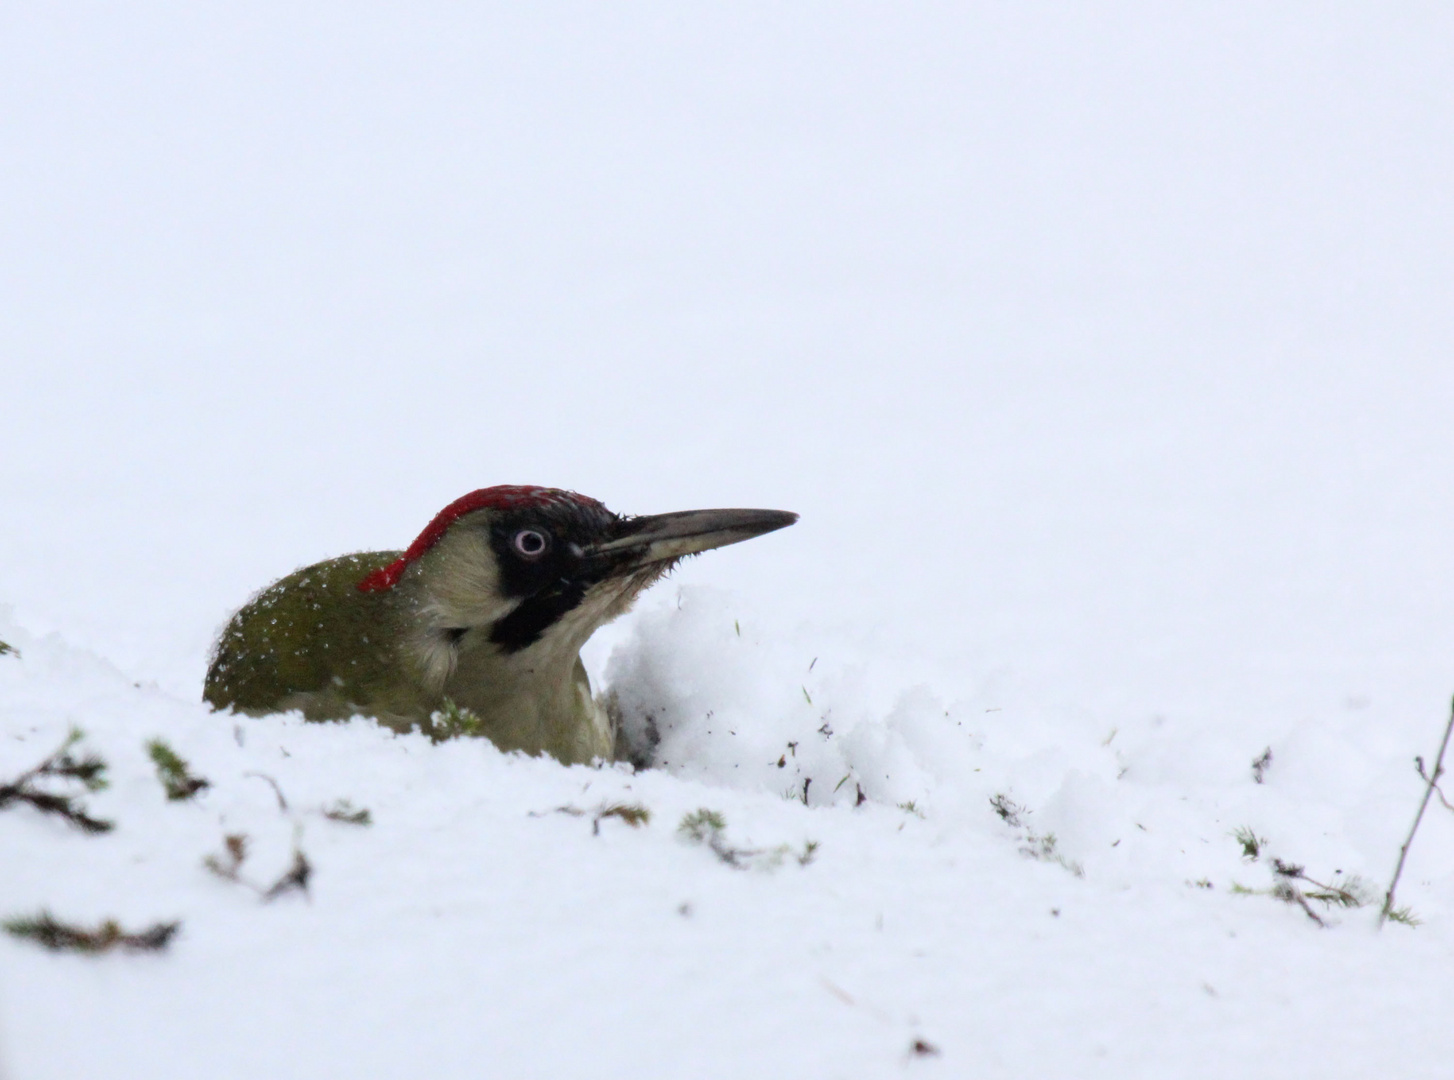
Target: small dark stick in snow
278 791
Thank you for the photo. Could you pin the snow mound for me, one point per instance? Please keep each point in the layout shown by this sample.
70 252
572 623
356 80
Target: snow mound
699 697
1009 871
703 697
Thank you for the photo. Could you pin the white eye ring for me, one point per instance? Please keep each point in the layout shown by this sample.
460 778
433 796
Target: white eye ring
530 543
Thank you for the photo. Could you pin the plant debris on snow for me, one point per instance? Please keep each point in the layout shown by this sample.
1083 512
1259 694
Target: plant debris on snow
1043 847
1292 885
173 772
709 828
923 1048
1260 765
1008 810
63 767
46 930
342 810
228 866
1250 841
633 814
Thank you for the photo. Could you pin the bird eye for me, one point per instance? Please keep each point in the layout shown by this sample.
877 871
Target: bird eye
530 543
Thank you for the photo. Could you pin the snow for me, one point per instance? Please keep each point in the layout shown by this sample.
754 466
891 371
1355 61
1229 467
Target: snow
1104 354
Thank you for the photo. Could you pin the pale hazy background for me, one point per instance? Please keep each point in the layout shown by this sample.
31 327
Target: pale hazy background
1111 349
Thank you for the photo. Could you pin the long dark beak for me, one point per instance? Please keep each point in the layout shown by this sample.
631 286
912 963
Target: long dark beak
661 537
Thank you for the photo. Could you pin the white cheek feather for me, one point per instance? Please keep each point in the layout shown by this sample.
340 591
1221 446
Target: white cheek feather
460 582
457 587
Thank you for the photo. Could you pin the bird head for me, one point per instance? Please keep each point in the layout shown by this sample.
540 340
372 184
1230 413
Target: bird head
533 571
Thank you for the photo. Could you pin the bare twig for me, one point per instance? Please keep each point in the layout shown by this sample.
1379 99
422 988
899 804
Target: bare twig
1291 894
1424 776
1403 853
282 802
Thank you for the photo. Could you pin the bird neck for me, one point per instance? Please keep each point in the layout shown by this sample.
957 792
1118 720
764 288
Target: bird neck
535 703
536 699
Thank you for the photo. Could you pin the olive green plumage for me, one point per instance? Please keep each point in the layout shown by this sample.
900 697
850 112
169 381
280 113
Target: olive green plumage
313 641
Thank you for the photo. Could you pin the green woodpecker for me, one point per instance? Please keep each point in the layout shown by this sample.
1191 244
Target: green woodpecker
487 608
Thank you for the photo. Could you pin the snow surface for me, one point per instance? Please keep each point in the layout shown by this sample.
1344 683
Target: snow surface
1106 355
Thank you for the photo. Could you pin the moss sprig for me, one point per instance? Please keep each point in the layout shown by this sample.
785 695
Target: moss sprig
709 829
453 721
49 932
174 772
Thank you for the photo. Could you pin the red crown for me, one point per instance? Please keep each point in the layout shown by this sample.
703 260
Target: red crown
502 497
